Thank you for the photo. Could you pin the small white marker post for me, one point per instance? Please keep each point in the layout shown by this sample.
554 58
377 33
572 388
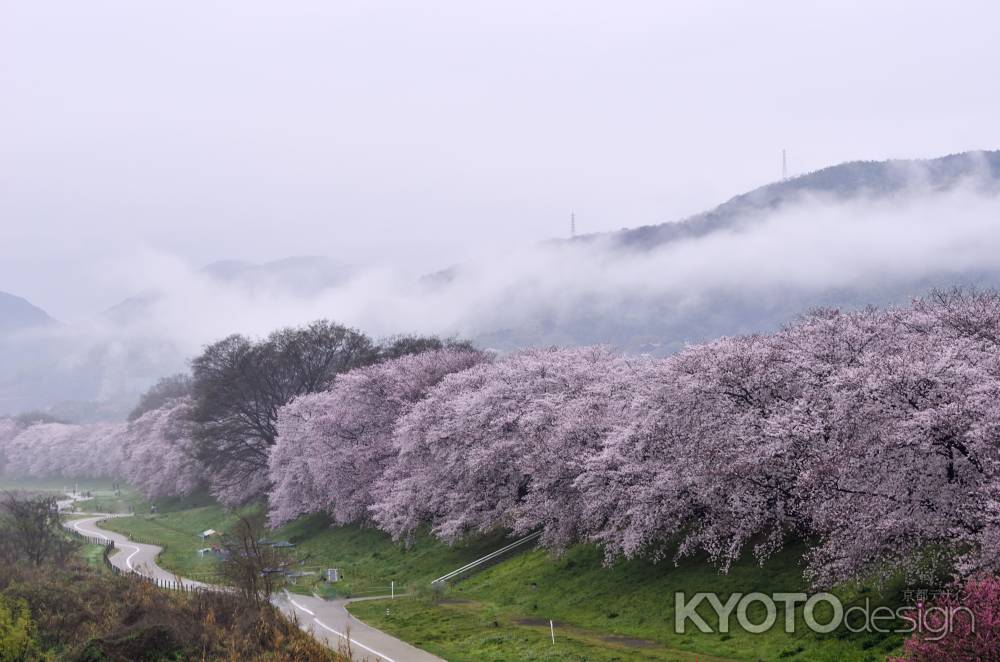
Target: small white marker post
552 630
392 589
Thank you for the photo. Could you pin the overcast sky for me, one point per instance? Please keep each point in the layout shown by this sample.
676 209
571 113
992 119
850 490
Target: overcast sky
423 133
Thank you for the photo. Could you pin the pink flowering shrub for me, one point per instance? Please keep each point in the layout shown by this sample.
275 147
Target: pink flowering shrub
962 628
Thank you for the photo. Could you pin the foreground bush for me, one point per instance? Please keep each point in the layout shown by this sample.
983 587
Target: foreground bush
962 627
17 633
82 615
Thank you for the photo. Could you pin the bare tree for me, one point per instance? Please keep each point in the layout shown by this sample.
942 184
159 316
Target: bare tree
163 391
239 385
254 567
29 529
394 347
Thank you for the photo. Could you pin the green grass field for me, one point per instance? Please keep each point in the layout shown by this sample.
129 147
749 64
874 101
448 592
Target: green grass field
56 485
462 631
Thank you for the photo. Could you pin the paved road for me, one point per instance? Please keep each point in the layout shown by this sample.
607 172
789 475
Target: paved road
328 620
131 556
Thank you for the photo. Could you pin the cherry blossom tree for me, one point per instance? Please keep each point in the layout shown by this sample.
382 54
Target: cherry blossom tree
295 491
69 451
870 432
500 444
9 429
696 461
159 458
333 446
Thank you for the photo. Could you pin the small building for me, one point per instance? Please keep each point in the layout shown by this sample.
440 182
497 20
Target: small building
208 533
215 550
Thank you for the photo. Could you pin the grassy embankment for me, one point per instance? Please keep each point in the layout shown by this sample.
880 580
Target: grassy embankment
627 610
621 613
369 560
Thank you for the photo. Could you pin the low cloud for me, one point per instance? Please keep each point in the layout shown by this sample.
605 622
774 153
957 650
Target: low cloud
813 244
875 249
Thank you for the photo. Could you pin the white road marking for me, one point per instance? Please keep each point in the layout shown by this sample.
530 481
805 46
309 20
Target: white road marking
128 559
353 641
339 634
311 613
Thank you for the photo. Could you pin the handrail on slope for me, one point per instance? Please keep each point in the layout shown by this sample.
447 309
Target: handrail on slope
488 557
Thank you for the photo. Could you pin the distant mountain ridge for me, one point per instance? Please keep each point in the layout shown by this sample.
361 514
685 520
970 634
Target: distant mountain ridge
661 325
876 179
18 314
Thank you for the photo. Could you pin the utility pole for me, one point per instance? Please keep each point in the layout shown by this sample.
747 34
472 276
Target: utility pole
784 165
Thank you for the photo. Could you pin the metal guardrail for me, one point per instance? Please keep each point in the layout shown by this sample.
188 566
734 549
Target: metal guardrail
486 559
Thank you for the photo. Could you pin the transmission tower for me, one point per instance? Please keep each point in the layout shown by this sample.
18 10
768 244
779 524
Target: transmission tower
572 225
784 165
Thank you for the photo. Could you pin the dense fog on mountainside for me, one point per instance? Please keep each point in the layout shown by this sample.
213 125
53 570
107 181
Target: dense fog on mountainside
751 264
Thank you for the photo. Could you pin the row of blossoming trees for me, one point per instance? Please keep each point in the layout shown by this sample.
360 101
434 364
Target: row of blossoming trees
872 435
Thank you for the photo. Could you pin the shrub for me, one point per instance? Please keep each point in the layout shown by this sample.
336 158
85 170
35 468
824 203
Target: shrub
18 642
962 627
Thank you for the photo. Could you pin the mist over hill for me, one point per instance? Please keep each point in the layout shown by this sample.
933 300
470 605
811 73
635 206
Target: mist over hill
294 277
854 180
19 314
846 236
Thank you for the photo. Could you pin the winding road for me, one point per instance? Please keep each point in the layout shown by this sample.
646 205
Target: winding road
327 620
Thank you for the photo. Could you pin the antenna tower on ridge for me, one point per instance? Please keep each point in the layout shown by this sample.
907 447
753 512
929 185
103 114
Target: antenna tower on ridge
784 165
572 225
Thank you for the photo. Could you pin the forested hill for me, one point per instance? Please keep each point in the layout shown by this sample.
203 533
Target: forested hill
853 179
854 234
